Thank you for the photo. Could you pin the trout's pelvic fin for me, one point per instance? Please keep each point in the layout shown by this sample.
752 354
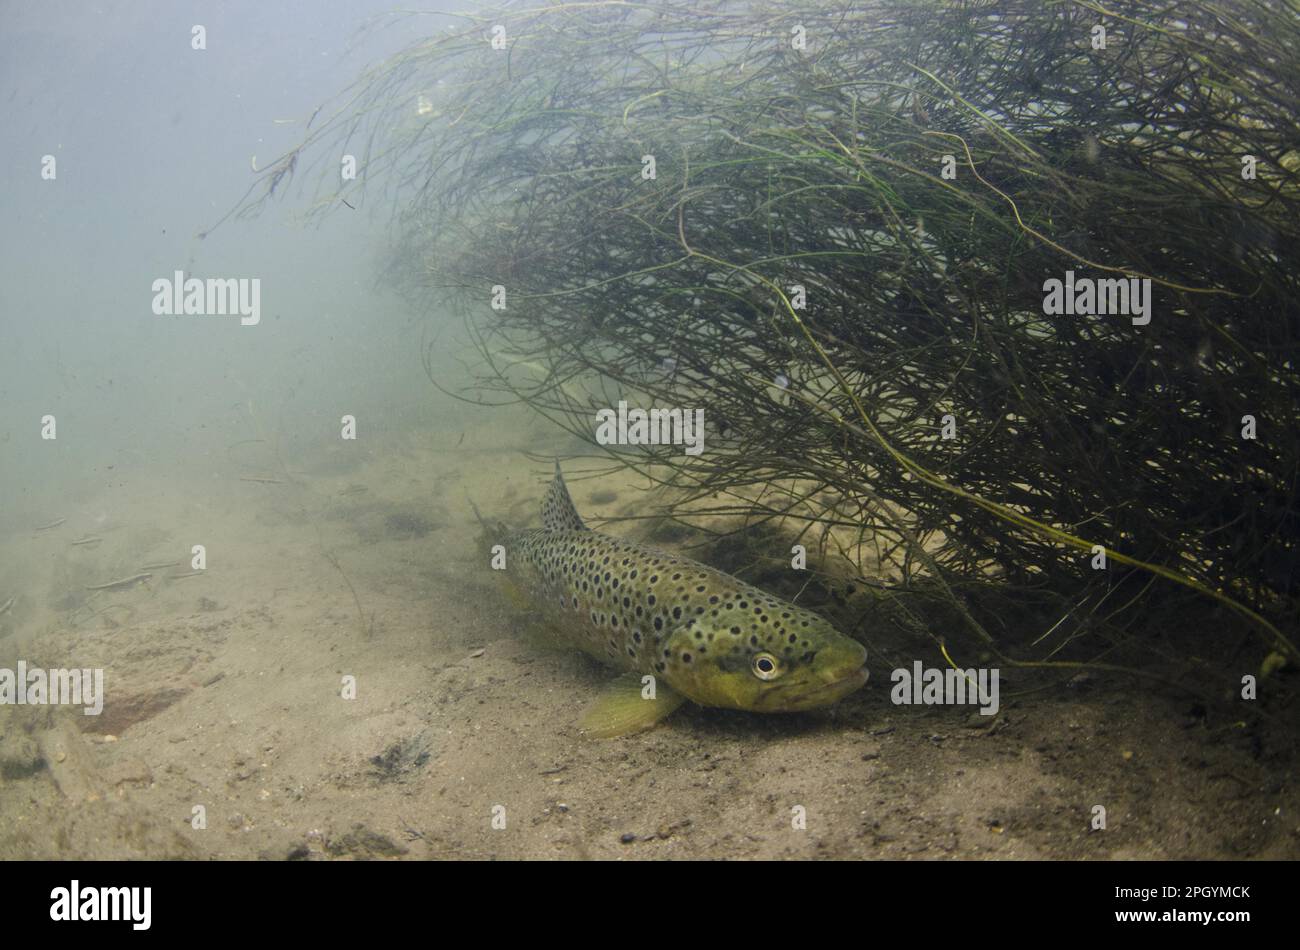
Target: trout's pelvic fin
558 512
623 709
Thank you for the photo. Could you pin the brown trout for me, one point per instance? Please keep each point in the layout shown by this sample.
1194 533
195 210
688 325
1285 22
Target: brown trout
680 629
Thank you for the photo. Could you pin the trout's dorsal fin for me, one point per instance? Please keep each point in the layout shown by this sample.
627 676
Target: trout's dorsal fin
558 513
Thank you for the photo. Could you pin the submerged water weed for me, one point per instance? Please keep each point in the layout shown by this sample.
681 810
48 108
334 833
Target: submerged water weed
859 208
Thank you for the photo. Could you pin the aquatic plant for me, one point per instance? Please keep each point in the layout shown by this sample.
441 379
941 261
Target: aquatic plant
832 224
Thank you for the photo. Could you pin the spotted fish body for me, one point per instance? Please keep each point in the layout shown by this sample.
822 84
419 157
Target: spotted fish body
702 634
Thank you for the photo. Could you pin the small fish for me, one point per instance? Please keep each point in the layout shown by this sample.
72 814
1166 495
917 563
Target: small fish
4 608
159 567
53 524
352 490
176 577
703 635
124 582
87 540
262 479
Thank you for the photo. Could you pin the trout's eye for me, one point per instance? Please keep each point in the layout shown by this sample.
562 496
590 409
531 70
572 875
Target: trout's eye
765 666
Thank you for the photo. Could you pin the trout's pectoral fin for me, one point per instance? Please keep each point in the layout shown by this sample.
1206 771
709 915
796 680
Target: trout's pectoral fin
629 705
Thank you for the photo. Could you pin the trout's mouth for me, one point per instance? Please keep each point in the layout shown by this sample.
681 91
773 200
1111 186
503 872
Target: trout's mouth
798 696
